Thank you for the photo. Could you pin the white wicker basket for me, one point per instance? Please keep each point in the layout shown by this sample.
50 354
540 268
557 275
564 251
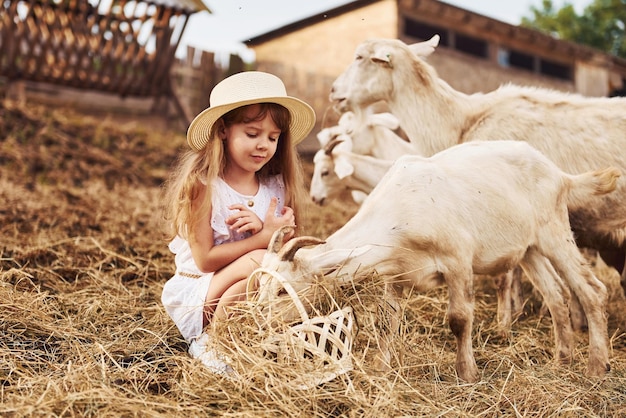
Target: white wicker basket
323 341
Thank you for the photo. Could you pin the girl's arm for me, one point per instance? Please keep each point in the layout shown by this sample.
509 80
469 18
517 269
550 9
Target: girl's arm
210 257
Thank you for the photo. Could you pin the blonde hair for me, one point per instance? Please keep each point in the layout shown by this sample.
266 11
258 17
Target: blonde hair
196 170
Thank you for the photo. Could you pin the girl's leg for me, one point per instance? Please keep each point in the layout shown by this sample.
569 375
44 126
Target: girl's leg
235 293
233 274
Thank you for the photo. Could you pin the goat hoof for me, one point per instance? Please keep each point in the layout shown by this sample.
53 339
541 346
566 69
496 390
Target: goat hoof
504 333
469 376
598 370
564 358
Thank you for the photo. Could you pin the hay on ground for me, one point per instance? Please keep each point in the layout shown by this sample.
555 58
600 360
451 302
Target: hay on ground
83 332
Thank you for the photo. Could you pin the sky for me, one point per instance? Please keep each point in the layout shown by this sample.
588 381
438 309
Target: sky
233 21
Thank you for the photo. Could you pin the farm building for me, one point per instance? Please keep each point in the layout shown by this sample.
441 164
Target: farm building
476 53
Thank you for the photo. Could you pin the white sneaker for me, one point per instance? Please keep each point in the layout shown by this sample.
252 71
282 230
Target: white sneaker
212 360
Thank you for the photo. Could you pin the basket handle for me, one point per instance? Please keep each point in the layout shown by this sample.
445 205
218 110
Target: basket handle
250 285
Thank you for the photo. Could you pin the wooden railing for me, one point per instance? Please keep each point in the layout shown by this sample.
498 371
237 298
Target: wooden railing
117 46
194 76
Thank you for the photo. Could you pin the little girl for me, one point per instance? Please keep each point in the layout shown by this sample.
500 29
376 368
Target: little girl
240 182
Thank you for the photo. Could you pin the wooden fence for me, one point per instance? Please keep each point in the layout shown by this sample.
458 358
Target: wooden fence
124 47
194 76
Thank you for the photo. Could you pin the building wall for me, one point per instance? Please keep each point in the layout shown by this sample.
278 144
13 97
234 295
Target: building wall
592 80
471 75
326 48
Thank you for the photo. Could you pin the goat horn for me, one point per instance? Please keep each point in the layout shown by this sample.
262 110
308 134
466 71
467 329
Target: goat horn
330 146
289 249
277 238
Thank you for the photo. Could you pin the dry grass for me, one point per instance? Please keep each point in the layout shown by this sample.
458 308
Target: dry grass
83 333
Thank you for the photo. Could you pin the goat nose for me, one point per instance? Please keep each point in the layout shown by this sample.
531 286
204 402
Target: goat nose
318 201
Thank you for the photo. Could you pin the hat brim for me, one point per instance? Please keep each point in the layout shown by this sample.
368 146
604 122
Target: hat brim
302 119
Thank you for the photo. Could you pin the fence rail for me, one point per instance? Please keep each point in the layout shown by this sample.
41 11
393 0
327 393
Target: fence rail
91 44
194 76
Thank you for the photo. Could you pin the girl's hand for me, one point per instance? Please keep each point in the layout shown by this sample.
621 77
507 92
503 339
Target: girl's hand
245 220
273 222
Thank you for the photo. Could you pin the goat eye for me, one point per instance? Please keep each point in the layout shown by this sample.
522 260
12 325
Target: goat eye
358 58
324 173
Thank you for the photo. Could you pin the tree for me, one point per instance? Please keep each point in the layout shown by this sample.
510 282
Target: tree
602 24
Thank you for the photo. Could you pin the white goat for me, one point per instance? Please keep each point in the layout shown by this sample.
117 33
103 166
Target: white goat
368 133
337 169
371 133
577 133
476 208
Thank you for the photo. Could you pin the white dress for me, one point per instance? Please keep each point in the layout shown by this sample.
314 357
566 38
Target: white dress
184 294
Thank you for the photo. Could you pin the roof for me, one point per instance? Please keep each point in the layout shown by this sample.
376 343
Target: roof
189 6
303 23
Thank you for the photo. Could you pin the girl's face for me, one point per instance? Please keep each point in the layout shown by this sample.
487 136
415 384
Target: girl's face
250 144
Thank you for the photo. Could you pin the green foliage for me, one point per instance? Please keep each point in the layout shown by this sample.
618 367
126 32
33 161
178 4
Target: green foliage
602 24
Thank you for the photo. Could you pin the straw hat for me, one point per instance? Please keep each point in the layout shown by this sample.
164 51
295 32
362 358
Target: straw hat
249 87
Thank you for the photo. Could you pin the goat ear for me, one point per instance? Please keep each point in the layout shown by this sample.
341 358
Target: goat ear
343 167
424 49
358 196
385 119
323 136
382 55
